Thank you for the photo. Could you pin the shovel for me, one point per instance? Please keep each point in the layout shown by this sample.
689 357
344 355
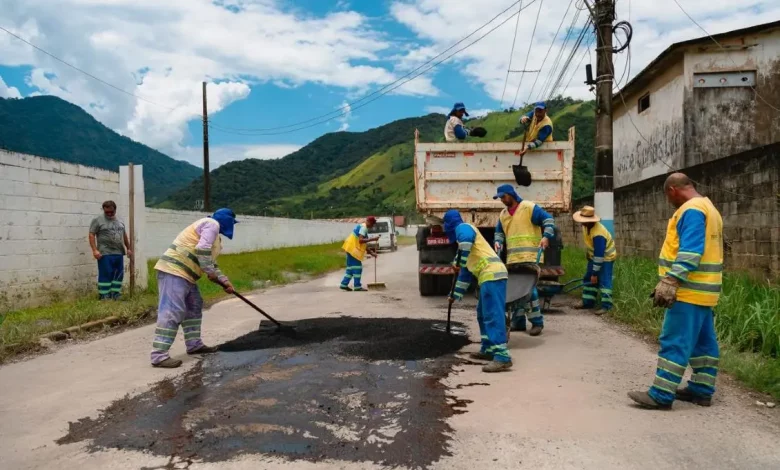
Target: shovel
522 175
278 327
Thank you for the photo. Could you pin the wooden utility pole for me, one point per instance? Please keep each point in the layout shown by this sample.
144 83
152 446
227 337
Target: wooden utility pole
604 12
206 183
131 171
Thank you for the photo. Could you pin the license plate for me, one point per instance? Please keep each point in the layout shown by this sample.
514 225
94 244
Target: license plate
438 241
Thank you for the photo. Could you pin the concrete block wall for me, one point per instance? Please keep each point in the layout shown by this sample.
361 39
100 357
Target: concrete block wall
251 234
744 187
46 207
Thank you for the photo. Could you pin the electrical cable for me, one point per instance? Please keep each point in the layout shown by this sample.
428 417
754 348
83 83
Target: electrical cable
552 43
511 54
530 44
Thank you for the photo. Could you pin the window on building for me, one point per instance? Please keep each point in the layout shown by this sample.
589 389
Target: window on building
644 102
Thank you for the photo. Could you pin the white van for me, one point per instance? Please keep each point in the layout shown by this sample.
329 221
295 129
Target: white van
385 228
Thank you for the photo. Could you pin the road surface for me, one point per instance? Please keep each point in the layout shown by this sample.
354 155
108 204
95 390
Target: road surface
326 399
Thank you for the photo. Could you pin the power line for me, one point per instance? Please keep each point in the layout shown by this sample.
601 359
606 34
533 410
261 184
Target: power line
530 44
567 63
576 69
724 50
396 86
530 93
558 56
511 54
341 111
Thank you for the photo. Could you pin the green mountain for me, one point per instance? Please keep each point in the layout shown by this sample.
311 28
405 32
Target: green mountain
383 181
286 185
48 126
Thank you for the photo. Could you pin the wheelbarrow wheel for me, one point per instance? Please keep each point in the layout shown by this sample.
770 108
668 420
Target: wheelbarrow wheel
508 321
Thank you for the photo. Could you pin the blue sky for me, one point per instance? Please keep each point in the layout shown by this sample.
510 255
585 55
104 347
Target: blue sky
279 62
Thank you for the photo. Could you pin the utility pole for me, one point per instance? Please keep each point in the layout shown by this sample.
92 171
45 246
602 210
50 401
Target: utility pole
206 183
604 12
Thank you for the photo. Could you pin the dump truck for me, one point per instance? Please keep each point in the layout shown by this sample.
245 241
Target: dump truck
464 176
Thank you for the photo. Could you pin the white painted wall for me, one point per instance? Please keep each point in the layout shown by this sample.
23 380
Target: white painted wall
46 207
661 124
251 234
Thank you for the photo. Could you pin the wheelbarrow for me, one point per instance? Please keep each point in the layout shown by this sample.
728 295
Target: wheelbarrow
522 278
548 289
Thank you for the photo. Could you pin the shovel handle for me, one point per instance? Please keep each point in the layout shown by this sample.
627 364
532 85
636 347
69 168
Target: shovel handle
249 302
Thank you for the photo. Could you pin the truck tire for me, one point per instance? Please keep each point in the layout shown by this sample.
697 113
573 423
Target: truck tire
427 284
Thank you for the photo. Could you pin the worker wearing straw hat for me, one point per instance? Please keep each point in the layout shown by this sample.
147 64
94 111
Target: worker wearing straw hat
601 259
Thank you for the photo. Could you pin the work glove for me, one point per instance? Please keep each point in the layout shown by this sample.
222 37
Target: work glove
525 120
594 279
665 293
478 132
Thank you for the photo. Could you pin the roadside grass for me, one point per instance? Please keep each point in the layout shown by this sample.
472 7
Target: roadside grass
21 329
747 318
404 240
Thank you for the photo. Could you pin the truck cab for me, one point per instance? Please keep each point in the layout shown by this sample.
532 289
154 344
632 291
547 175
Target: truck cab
464 176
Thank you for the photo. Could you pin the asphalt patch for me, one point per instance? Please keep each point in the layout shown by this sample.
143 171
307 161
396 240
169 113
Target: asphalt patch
351 389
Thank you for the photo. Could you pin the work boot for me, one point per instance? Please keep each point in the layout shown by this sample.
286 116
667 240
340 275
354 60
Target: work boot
496 366
203 350
536 330
480 356
644 400
345 288
168 363
359 289
685 394
601 312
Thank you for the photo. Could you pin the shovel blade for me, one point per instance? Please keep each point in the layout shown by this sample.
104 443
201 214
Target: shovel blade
522 175
454 330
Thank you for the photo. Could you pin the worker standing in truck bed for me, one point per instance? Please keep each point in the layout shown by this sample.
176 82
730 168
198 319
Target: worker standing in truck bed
540 129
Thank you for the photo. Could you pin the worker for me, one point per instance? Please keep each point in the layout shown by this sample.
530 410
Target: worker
601 256
193 252
519 227
356 247
108 240
540 129
690 268
476 259
454 130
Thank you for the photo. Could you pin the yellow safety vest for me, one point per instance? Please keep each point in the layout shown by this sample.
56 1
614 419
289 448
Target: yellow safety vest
533 131
483 262
703 285
598 230
353 246
522 236
181 258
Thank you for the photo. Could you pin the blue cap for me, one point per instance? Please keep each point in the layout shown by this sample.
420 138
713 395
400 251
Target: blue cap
505 189
452 219
457 107
540 105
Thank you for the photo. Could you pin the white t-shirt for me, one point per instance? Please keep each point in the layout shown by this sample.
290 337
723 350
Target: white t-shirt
449 128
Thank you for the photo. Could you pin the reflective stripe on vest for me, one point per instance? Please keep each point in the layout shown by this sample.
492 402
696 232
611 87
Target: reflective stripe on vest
533 130
483 262
522 236
353 246
181 257
598 230
703 285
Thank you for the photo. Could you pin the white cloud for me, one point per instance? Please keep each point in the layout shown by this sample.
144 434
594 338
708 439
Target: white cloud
221 154
8 91
473 113
440 23
346 111
161 51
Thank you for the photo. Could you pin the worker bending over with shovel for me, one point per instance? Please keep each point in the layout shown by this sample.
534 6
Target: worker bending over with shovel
478 260
356 246
519 226
690 268
193 252
601 256
540 129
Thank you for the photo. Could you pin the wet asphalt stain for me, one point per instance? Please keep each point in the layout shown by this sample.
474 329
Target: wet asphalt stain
344 388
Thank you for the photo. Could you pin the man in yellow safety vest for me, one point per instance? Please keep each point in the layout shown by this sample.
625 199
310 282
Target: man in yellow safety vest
690 268
601 256
193 253
540 129
356 247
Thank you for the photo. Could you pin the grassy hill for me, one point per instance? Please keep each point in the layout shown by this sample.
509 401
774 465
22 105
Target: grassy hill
383 182
48 126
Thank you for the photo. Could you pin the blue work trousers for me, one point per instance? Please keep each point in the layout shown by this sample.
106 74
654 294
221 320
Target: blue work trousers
532 310
590 294
490 316
111 271
687 338
354 272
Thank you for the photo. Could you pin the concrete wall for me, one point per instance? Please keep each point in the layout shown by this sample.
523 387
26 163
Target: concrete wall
743 187
251 234
661 124
46 207
686 125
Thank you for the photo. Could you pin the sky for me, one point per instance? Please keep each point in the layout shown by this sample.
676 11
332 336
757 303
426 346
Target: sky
281 73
